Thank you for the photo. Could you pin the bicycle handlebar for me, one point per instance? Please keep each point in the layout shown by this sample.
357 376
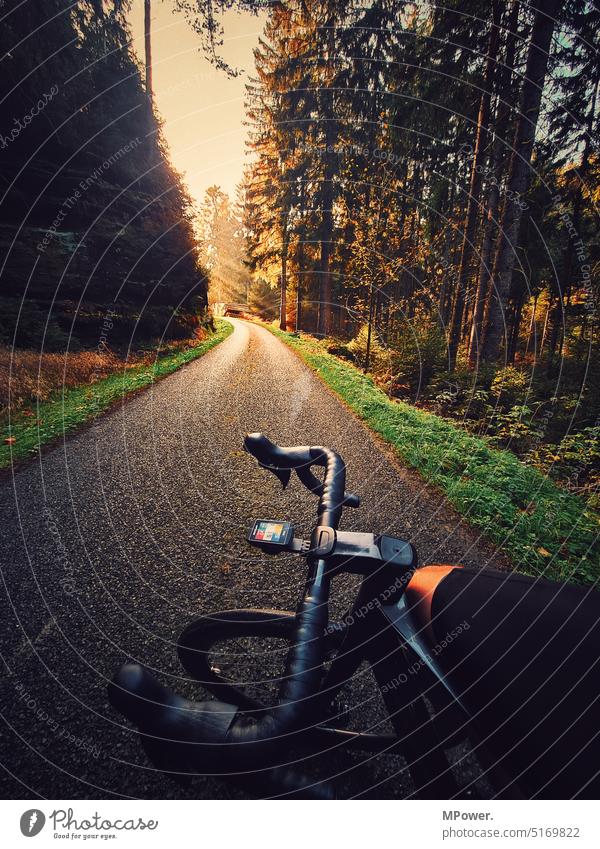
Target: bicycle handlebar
281 461
162 714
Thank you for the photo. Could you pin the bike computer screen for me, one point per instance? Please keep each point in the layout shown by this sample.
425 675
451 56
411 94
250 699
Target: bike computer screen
271 532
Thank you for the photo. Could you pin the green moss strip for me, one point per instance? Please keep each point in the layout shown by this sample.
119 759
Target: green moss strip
544 530
74 407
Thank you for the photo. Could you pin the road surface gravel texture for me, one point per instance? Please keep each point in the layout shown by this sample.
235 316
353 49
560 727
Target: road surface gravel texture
116 539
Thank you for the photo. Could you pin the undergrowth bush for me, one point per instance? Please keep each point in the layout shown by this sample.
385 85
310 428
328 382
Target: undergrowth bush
510 387
418 353
379 355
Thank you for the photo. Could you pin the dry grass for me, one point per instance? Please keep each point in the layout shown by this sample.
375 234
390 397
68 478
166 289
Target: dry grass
80 386
28 376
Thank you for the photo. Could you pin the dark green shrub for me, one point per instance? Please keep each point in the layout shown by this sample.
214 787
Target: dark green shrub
417 355
25 325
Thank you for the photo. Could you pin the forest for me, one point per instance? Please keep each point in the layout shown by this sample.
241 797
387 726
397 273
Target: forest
421 195
94 220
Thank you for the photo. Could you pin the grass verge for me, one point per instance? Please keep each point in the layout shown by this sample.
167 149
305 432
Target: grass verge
545 530
64 411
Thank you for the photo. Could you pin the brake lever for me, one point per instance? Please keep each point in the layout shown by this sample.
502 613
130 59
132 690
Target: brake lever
283 474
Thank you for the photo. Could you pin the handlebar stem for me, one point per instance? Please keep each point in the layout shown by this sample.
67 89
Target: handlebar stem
213 723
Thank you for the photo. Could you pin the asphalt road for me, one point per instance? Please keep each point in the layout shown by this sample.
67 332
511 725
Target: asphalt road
113 541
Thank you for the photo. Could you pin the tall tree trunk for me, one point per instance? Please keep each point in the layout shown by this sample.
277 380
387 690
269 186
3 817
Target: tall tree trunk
326 244
327 192
531 335
473 202
558 318
148 47
519 288
485 270
299 266
369 331
300 255
285 217
515 324
503 81
372 273
546 321
444 300
518 175
283 306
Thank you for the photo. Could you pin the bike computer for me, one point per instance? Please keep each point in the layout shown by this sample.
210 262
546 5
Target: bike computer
267 533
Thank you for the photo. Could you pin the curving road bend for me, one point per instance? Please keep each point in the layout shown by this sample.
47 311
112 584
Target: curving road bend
114 540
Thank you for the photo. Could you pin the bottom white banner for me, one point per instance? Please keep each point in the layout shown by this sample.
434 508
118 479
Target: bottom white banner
301 825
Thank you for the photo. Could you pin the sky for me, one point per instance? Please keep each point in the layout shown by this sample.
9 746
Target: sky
202 108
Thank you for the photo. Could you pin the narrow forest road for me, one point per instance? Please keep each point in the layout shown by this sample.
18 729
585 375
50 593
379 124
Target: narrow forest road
114 540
